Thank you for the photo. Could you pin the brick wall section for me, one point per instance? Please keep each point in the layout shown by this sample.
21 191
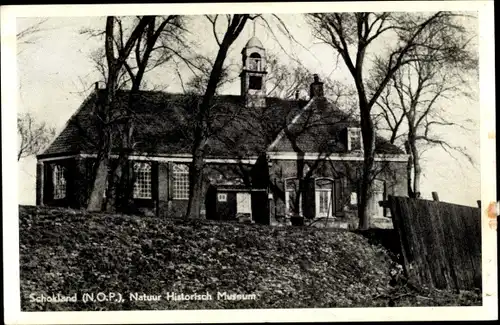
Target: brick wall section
79 184
214 173
262 174
39 183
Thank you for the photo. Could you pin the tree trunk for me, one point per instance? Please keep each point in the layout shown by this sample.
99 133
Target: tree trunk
368 133
364 217
123 172
123 187
114 64
101 174
417 169
409 169
196 184
112 190
99 188
201 124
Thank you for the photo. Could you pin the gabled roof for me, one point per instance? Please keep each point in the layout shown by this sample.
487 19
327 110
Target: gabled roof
322 128
163 126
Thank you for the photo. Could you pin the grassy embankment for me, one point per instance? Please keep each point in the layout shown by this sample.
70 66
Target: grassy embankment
68 252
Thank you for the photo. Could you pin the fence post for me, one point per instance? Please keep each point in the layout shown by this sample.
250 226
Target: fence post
435 196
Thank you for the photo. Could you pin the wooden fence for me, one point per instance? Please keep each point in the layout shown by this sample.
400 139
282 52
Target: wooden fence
440 242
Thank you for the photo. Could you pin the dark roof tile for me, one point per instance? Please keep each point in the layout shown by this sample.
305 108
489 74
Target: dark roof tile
162 125
322 128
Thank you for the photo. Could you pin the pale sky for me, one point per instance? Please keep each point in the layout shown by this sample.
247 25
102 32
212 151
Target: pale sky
55 75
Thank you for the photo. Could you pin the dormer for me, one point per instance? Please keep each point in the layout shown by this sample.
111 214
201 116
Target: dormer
354 139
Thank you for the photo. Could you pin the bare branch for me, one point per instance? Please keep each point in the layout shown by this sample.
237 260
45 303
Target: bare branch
213 21
33 137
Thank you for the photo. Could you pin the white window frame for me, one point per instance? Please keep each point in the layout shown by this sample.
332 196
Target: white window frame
59 182
143 188
180 182
378 188
351 131
318 192
287 197
243 202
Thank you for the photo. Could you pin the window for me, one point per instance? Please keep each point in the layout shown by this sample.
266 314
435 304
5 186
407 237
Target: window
255 62
142 184
255 82
243 203
324 197
59 181
354 198
181 181
291 192
354 139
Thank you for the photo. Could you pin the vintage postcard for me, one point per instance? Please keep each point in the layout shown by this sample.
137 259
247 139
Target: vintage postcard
241 162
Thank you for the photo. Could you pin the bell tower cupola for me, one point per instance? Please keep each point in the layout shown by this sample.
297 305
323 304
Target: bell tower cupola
253 74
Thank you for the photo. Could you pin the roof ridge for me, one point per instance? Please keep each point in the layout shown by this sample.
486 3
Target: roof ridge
294 120
219 95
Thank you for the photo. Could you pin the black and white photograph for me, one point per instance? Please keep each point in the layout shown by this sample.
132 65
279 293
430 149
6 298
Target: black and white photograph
249 162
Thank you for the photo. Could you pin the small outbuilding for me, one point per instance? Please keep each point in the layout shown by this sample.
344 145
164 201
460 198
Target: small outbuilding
237 203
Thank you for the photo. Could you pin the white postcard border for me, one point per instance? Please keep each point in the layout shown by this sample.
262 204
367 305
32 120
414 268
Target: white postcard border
13 315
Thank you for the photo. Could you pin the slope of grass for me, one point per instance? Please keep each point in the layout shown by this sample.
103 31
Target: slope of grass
68 252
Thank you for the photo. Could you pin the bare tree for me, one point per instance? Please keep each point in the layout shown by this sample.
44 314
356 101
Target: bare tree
352 36
160 40
285 81
330 115
412 105
116 56
33 137
198 82
235 24
28 34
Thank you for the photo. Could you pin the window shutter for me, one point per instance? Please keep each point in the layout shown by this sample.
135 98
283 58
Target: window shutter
338 194
48 187
280 186
170 180
110 180
385 200
343 137
154 181
69 174
278 191
309 198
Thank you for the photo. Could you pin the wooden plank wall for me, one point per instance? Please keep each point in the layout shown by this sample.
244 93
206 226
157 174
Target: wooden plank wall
440 242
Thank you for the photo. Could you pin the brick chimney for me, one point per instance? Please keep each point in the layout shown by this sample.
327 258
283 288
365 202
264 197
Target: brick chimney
316 88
